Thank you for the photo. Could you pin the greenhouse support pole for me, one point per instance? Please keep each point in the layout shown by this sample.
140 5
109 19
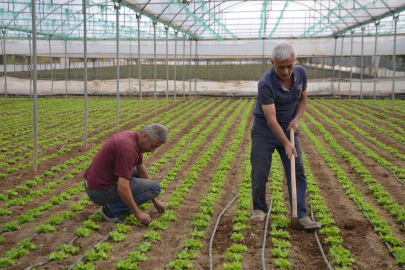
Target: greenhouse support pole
340 68
29 41
323 67
333 66
154 63
85 69
50 59
116 7
195 68
394 64
264 63
207 70
130 70
175 63
65 67
5 62
315 68
375 62
351 66
184 67
138 17
190 67
167 67
361 65
34 84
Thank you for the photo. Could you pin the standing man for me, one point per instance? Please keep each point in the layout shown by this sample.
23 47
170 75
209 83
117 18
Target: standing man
281 101
118 180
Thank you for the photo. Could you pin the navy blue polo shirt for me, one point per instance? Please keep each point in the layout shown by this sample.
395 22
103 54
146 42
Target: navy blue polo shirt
270 91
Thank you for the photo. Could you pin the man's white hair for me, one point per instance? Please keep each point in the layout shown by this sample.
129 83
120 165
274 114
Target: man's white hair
283 51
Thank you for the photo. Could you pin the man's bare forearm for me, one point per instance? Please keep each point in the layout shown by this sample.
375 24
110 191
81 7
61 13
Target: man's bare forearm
278 132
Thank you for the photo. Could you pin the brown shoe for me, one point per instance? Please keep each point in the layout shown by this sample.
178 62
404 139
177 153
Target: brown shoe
309 224
258 215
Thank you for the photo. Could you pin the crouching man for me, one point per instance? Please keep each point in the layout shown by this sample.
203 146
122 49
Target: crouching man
281 101
117 178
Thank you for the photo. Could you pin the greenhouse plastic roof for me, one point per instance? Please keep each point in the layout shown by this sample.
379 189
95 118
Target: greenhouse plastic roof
203 20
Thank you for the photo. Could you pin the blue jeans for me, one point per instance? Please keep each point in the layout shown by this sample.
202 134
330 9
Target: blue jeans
263 144
142 190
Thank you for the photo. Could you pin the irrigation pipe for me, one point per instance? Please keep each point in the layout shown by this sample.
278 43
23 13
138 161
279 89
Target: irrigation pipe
215 229
374 142
383 204
319 244
379 233
265 233
48 261
84 256
390 136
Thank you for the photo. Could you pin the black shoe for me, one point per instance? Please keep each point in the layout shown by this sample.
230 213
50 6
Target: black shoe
108 215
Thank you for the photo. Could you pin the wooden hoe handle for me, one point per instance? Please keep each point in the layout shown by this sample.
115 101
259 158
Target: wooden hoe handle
293 181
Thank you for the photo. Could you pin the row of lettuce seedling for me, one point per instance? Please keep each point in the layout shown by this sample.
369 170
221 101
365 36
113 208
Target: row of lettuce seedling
370 110
370 116
366 135
38 180
360 146
184 188
128 118
98 253
337 252
68 147
166 217
385 106
207 204
241 216
279 237
383 130
55 199
116 236
78 131
381 227
51 185
383 197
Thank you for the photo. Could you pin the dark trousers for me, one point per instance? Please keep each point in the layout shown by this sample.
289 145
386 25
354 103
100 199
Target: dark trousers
263 144
142 190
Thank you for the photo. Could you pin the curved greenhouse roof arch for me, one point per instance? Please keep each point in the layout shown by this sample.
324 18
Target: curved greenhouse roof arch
203 20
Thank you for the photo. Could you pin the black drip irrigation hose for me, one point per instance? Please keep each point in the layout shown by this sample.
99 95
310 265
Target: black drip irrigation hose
48 261
394 174
390 136
383 204
386 244
319 244
84 256
265 233
215 229
376 144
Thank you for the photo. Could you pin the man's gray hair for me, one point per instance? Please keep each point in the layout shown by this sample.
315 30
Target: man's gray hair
283 51
156 131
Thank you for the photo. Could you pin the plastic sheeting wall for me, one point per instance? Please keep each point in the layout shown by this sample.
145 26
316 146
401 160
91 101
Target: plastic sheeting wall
211 49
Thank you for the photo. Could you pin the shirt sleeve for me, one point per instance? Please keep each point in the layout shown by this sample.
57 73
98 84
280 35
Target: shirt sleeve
304 80
265 94
124 164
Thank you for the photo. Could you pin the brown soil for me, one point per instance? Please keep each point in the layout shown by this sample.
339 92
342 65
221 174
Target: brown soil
345 212
357 233
383 175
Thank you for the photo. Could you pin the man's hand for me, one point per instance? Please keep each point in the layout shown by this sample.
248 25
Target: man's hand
289 150
143 218
293 124
160 206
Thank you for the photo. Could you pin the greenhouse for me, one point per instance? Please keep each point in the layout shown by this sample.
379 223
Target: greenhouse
197 85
